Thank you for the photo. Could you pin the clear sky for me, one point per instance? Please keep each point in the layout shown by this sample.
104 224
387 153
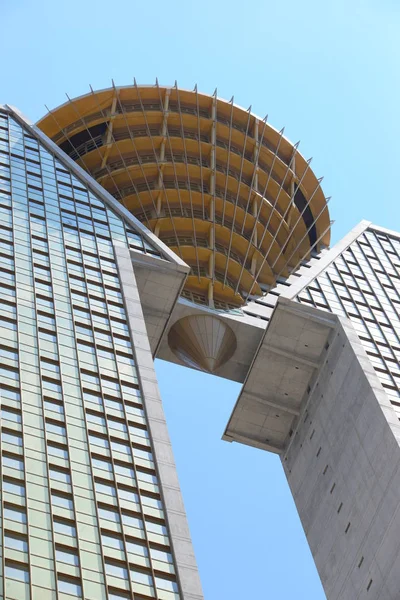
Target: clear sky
329 71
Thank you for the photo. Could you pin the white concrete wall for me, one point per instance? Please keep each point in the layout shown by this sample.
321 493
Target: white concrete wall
343 469
181 543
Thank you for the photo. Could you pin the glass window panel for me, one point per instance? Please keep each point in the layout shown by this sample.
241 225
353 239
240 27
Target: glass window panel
59 475
62 501
64 528
166 584
15 513
67 556
14 463
116 571
15 542
70 587
17 572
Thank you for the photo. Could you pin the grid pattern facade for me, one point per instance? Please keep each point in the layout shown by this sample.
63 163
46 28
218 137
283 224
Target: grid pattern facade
81 515
363 284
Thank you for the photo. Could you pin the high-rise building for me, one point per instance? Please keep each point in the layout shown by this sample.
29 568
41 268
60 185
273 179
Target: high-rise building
150 221
324 393
91 506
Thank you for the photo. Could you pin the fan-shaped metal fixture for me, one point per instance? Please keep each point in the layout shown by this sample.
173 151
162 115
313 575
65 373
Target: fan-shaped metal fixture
203 342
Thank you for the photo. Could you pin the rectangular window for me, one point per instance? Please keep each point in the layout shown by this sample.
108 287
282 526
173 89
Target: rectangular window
15 542
161 555
52 405
60 475
58 451
15 513
167 585
17 572
11 438
64 527
109 515
13 462
124 470
102 465
52 427
142 578
69 586
67 556
11 415
62 501
116 571
105 488
98 441
112 542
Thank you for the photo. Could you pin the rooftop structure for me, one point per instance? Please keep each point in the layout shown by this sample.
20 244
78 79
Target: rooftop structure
221 187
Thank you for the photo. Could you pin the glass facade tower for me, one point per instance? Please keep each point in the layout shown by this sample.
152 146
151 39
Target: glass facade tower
84 513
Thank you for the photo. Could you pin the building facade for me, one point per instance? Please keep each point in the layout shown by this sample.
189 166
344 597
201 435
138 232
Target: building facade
91 506
328 404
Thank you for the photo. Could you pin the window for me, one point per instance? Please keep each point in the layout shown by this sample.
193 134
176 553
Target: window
95 419
137 549
64 527
116 571
69 586
15 542
128 495
17 571
142 578
52 389
161 555
132 521
50 367
62 501
116 426
124 470
13 487
68 556
57 451
156 528
59 475
93 398
11 415
152 502
13 462
8 353
112 542
105 488
11 438
15 513
118 596
102 464
166 584
142 454
56 429
109 515
147 477
98 441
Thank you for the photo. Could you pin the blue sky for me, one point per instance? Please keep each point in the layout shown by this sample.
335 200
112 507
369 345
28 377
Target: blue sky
328 71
